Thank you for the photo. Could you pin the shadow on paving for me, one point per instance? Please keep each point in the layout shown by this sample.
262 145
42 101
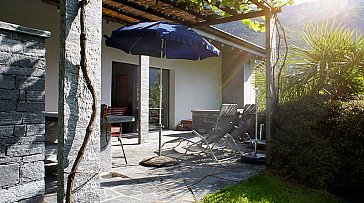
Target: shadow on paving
195 177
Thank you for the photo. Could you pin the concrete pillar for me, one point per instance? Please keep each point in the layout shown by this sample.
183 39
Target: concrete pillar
75 100
143 79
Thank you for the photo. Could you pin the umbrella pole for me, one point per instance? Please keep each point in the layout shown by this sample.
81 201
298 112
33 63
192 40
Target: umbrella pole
256 119
160 111
160 100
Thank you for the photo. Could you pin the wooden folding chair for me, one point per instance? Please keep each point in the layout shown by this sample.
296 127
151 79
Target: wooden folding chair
118 111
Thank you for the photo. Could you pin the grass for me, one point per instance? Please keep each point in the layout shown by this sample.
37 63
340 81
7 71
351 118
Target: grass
266 189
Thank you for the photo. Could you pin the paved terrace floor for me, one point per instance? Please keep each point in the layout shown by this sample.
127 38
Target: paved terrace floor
195 176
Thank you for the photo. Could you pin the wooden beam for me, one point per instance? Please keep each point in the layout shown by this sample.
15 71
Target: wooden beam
242 16
227 9
260 4
183 6
271 46
116 15
243 45
149 10
231 18
114 19
122 12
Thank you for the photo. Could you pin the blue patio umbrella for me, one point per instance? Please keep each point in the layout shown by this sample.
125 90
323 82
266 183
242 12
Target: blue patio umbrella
162 40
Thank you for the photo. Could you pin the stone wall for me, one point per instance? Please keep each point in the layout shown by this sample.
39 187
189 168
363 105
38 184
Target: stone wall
22 72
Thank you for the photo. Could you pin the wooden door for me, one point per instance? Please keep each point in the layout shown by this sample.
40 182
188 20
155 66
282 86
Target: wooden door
121 90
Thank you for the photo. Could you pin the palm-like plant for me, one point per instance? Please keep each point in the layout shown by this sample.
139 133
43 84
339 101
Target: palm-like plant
331 63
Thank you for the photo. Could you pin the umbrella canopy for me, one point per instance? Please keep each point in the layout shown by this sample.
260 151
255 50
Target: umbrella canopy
148 38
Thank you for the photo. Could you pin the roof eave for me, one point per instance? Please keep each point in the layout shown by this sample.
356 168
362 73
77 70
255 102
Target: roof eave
231 40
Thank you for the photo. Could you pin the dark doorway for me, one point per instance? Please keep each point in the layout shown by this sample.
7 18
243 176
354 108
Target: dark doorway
124 93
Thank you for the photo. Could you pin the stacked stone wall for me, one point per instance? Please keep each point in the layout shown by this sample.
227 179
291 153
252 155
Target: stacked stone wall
22 128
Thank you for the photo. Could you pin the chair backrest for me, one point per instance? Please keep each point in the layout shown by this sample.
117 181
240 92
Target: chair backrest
226 117
246 121
118 111
224 122
249 109
103 112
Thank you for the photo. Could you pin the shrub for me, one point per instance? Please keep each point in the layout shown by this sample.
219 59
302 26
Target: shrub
320 142
331 62
347 142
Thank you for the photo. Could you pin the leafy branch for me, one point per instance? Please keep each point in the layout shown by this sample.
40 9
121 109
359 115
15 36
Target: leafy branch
240 6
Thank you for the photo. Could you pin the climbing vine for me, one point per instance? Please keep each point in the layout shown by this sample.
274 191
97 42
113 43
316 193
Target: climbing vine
90 127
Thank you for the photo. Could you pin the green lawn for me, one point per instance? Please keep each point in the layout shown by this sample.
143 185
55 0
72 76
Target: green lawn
266 188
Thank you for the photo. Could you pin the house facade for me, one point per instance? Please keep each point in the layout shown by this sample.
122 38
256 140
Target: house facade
189 85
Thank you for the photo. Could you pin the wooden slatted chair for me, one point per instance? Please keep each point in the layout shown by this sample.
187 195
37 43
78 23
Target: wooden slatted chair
117 111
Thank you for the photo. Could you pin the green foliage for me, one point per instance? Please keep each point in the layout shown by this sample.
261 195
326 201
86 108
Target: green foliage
297 148
218 6
255 25
260 83
265 188
331 63
154 93
319 142
346 133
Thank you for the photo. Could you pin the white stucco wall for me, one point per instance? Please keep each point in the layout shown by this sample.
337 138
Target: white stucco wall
194 84
249 89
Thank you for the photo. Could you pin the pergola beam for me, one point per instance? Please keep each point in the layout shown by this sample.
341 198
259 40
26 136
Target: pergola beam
183 6
113 19
227 9
116 15
260 4
149 10
122 12
242 16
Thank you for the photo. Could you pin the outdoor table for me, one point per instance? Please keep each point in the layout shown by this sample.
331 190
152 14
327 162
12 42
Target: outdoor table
119 119
111 119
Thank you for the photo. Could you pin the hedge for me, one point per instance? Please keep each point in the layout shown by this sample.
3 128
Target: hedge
320 142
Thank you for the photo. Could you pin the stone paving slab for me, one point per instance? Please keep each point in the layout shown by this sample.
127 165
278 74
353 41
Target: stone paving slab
195 176
190 181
